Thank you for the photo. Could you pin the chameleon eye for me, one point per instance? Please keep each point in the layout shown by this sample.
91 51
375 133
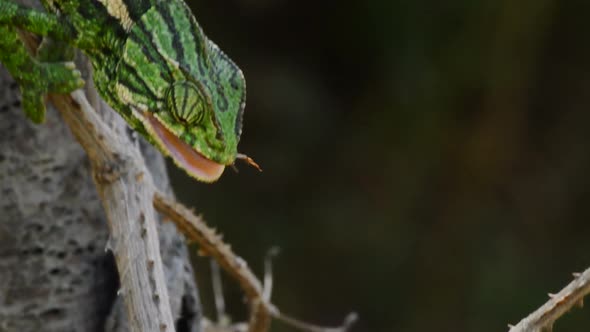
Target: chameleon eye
185 103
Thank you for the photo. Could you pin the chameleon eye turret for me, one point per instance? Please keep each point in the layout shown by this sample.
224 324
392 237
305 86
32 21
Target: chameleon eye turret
186 103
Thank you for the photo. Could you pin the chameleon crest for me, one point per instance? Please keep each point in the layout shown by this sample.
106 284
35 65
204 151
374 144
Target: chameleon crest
152 63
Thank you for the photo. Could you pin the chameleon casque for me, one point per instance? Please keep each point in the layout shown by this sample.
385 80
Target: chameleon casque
152 64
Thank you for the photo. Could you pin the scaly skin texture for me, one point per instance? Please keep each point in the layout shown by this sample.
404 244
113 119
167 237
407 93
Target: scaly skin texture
152 63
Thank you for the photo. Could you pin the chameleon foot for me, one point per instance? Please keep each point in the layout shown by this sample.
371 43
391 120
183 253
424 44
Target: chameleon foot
61 77
44 78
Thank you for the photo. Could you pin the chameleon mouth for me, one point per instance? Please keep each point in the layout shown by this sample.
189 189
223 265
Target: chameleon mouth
184 156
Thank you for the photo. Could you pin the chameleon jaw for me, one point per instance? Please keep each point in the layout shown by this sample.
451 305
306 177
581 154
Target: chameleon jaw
183 155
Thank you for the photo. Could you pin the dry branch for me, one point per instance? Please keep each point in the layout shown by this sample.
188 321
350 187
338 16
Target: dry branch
262 310
194 228
126 189
129 196
542 319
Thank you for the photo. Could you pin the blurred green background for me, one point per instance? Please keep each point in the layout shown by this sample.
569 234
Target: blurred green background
425 162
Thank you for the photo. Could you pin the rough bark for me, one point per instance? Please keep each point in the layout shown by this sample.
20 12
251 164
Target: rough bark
55 274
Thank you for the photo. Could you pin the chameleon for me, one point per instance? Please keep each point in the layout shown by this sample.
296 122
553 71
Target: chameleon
152 63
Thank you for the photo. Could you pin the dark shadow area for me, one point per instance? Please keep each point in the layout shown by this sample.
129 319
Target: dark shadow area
425 163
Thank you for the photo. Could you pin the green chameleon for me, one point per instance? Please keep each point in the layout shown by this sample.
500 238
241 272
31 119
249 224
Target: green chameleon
152 63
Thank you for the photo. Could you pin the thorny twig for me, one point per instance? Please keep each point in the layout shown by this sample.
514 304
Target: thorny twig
194 228
542 319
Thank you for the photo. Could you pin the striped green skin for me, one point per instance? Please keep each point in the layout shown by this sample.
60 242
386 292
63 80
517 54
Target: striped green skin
141 50
166 45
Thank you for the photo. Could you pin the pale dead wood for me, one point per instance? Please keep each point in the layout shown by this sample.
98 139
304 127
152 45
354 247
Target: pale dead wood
126 189
542 319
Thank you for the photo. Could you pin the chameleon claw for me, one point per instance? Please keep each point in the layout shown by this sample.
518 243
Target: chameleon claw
70 65
80 82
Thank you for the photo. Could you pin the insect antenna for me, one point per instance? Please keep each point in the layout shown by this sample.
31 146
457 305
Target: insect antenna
248 161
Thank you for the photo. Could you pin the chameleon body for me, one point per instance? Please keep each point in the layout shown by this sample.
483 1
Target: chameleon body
152 64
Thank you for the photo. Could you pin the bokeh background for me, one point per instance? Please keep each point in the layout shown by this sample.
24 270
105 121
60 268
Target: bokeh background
425 162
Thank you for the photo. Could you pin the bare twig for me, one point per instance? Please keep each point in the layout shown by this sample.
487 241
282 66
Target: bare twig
218 293
542 319
268 279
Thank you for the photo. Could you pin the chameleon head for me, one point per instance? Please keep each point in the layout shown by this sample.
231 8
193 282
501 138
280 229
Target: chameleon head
185 95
